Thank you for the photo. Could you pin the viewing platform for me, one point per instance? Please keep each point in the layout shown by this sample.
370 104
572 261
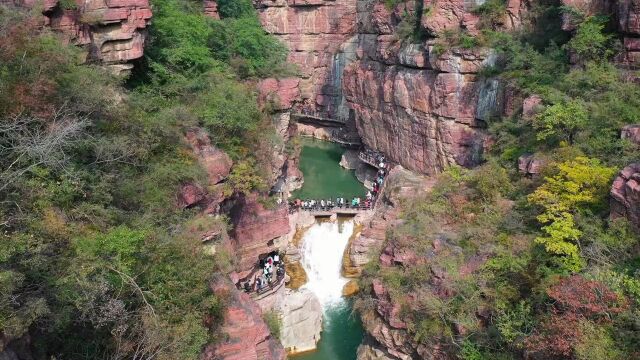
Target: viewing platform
370 158
268 289
336 211
347 141
314 119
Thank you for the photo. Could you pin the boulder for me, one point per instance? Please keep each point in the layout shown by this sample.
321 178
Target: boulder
625 195
190 194
211 9
530 165
301 321
531 106
349 159
631 133
350 288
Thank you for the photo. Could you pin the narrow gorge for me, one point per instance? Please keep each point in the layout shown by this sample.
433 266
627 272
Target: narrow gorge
319 179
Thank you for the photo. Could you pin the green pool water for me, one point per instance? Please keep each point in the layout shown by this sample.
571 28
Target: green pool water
341 334
323 176
342 330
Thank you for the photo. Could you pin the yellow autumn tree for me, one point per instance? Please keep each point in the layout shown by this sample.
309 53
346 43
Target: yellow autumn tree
579 184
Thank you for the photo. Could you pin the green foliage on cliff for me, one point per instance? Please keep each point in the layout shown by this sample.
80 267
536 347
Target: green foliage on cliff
96 260
494 264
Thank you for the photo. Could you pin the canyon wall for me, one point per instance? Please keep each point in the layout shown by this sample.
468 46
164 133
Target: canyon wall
112 32
316 33
423 107
417 101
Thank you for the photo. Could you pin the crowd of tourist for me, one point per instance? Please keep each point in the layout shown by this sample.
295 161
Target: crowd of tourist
357 203
271 272
374 158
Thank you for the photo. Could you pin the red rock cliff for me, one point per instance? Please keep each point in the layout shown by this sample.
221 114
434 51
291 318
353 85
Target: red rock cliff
424 107
315 32
247 337
113 32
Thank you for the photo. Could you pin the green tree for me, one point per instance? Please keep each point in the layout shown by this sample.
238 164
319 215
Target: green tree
590 42
562 120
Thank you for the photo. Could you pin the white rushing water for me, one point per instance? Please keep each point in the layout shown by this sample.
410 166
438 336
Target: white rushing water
322 248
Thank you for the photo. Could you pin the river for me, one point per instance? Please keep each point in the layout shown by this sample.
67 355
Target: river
322 248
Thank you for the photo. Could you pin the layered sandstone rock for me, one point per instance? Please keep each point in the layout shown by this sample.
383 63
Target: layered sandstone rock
278 94
211 9
625 195
301 321
256 231
216 163
112 32
247 335
315 32
424 109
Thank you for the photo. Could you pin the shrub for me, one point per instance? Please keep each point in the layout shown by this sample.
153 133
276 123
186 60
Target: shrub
563 120
274 323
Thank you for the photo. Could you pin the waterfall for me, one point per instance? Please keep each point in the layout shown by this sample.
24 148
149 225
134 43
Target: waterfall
322 248
345 56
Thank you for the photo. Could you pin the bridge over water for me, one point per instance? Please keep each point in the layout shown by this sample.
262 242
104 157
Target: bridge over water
337 211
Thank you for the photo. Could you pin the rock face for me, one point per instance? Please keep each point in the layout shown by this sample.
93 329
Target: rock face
211 9
248 336
215 161
400 183
631 133
625 195
255 230
529 165
217 165
113 32
424 109
301 321
279 94
315 32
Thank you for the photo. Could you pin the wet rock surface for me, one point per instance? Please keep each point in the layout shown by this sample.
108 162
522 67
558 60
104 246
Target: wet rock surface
315 32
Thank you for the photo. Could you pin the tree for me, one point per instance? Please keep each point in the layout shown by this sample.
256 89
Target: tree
562 120
581 183
590 43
